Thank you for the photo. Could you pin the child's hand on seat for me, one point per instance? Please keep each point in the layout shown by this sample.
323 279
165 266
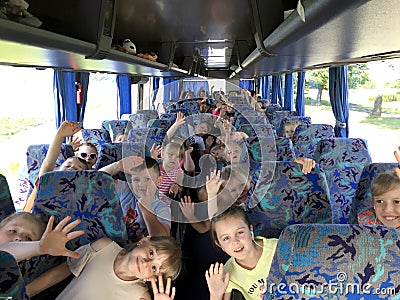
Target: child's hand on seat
53 240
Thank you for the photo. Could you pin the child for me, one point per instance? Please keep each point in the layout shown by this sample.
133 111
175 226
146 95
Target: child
121 137
66 129
140 204
88 152
117 273
251 257
21 231
289 128
386 200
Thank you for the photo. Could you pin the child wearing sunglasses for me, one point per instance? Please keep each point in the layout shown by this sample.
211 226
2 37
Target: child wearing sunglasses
66 129
88 152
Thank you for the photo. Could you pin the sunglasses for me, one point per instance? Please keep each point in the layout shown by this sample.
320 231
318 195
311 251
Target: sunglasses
91 155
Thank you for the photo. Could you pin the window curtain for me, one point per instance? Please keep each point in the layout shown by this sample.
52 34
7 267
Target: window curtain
264 87
155 86
338 94
247 84
195 86
276 90
288 99
124 94
300 93
171 89
82 78
64 96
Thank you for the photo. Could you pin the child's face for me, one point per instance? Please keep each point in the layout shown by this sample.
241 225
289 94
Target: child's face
234 237
233 153
144 183
218 154
121 138
145 263
289 130
237 189
170 158
89 154
18 230
387 208
72 163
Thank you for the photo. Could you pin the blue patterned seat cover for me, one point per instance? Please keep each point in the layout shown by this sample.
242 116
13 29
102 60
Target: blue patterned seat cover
290 197
12 284
278 116
336 261
6 203
306 138
301 119
96 136
112 152
342 160
115 127
363 197
86 195
150 113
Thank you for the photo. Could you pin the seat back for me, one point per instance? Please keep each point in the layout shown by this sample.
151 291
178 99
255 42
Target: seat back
36 154
290 197
306 138
363 197
335 261
12 284
342 160
112 152
115 127
6 203
86 195
95 136
301 119
150 113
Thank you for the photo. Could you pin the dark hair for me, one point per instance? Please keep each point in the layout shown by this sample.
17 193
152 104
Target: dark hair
148 163
232 211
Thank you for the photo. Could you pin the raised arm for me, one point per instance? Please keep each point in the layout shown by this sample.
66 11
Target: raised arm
180 120
66 129
187 208
397 156
123 165
52 242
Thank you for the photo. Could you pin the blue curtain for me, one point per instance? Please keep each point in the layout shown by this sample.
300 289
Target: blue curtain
247 84
83 78
300 93
338 94
264 87
195 86
64 96
156 85
124 93
276 90
288 99
171 89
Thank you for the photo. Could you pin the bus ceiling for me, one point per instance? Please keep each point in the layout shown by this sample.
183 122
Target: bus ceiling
219 39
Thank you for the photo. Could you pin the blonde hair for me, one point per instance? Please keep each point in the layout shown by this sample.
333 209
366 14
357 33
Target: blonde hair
168 246
383 183
34 219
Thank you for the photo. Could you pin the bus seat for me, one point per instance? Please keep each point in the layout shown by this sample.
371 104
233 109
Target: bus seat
335 261
306 138
12 284
302 120
271 109
276 149
168 116
36 154
150 113
159 123
288 196
278 116
115 127
363 197
86 195
112 152
192 107
6 203
95 136
139 120
342 160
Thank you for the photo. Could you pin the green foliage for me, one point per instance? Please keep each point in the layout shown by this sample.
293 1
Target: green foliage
358 76
386 98
319 79
12 126
393 84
